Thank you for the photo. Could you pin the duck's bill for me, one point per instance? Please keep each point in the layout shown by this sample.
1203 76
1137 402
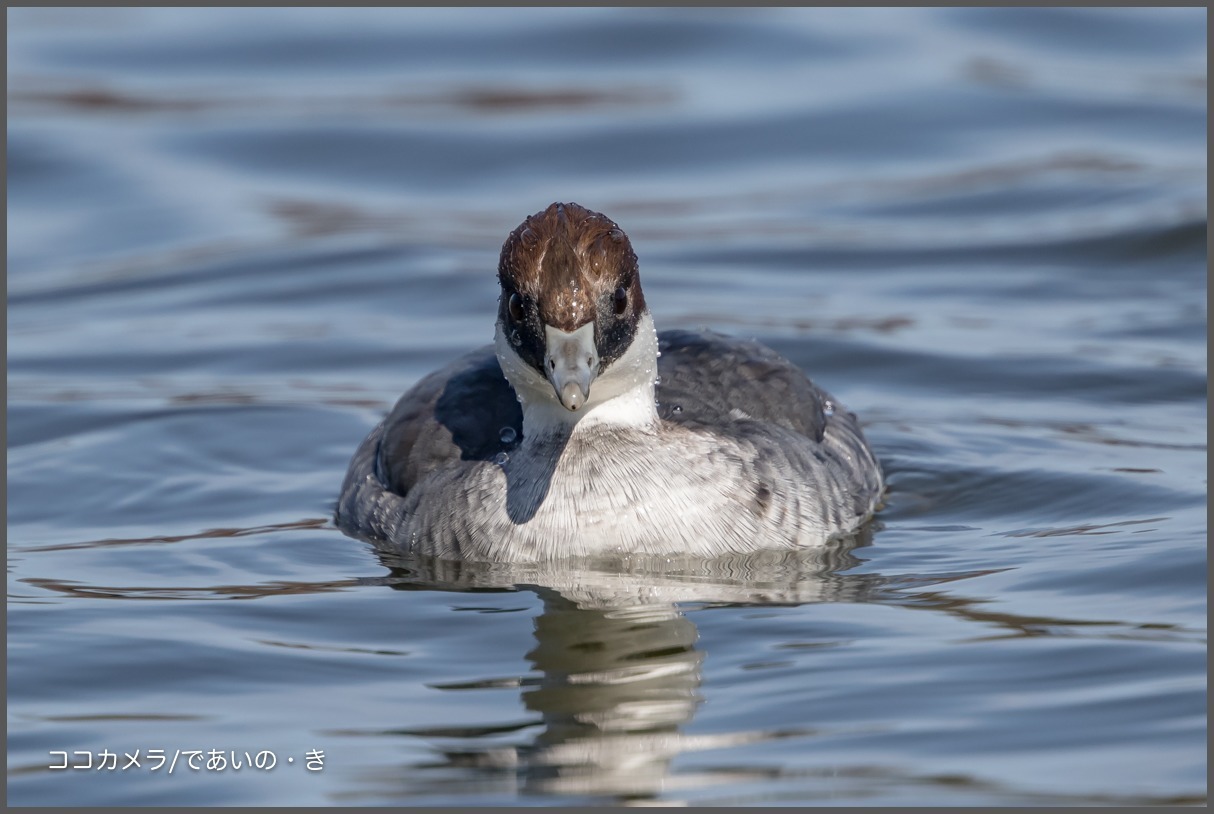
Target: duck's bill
571 363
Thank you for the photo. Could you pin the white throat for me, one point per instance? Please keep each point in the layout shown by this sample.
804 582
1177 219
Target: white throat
622 395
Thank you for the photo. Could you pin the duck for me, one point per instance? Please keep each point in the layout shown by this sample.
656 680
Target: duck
584 432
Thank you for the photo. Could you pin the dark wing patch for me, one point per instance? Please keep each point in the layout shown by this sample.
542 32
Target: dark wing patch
705 376
456 413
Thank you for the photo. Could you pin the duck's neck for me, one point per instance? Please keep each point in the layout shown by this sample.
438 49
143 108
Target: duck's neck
634 409
621 397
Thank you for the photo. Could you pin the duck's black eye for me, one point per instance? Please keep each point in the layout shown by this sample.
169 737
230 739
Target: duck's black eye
621 300
516 307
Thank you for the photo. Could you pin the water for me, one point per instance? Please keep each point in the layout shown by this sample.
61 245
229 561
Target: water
236 236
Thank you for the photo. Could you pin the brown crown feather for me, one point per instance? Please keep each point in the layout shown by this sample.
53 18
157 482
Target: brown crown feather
567 259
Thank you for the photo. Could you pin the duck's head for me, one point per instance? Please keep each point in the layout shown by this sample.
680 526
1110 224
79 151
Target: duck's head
572 327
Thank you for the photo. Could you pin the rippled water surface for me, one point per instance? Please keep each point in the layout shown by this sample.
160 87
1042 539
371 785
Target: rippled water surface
236 236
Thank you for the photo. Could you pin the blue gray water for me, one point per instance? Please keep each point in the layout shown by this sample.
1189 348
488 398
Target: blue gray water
236 236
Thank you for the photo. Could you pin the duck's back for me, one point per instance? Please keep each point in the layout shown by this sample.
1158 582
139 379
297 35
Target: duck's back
711 379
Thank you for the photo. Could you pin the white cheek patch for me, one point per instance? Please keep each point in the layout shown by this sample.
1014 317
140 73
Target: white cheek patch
637 369
527 382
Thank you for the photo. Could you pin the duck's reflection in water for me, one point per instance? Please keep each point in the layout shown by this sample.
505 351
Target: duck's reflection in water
616 687
619 669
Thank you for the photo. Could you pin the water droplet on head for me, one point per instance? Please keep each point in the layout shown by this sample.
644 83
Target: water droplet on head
515 338
659 354
828 407
501 459
508 435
